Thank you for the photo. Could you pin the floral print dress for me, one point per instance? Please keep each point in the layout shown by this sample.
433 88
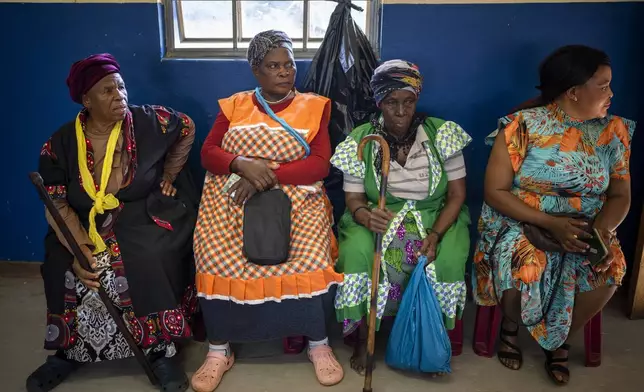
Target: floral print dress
561 166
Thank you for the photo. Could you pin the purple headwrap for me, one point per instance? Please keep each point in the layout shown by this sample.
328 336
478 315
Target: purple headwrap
85 73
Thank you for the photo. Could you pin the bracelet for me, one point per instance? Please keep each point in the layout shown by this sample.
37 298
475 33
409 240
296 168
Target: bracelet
353 214
432 231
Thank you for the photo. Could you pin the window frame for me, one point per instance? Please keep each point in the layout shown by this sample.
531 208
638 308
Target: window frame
174 27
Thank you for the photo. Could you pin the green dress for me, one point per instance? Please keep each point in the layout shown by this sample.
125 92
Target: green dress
404 236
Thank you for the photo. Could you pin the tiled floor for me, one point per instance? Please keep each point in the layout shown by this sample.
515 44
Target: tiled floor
261 368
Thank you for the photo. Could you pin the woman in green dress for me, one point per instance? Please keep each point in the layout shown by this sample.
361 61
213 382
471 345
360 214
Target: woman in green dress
425 211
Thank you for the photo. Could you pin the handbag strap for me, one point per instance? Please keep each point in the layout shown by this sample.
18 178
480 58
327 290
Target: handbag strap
284 124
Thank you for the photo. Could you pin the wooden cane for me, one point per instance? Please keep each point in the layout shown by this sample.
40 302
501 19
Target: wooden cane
375 272
36 179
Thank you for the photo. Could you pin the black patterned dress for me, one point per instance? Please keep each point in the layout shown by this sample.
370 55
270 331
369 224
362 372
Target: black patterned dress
147 269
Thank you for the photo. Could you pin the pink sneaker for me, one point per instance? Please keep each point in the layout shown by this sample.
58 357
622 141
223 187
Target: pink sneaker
327 369
209 375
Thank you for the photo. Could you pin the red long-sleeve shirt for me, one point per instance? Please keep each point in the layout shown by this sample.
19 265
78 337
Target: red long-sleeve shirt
302 172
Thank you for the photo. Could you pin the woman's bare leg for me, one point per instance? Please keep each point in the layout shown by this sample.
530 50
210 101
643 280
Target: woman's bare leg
359 358
511 305
587 305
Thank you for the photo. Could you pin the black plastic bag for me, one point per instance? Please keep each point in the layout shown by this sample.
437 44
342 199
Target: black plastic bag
341 70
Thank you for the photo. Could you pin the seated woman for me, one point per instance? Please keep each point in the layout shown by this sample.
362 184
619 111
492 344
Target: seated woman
111 174
424 209
250 151
560 165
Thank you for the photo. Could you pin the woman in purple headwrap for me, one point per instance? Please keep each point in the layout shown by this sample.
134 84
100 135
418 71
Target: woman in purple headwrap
425 211
116 176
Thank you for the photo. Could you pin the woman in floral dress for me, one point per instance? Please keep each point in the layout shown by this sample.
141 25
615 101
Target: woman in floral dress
561 164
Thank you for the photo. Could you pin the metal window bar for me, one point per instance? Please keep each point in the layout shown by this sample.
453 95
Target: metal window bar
168 27
174 26
237 24
181 25
305 28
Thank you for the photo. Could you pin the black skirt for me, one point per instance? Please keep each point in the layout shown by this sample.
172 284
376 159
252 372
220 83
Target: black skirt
231 322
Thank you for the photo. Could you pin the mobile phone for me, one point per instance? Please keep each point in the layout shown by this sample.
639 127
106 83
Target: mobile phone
598 249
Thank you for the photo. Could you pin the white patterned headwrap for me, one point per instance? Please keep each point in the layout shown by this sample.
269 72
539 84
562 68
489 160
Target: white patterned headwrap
264 42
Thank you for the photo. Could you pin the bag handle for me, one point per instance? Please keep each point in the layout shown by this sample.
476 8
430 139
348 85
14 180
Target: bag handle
284 124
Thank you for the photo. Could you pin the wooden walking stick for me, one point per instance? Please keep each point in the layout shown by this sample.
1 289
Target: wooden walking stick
375 272
36 179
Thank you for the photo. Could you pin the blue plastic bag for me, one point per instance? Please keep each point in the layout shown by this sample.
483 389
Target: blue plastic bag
418 340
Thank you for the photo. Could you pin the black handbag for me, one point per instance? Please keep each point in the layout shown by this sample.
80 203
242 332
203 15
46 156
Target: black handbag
542 239
267 227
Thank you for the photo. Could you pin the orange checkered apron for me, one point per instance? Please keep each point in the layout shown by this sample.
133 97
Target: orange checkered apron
223 272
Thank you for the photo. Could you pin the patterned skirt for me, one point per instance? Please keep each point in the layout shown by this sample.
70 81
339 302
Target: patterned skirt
87 332
98 338
399 261
548 281
245 302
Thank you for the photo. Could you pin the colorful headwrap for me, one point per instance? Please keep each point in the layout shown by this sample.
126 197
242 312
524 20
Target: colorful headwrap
264 42
395 75
85 73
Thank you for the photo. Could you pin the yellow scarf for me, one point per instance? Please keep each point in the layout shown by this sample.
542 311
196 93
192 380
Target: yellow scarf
102 201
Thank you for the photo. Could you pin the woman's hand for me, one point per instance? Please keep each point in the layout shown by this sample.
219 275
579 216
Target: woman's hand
168 189
241 191
568 232
430 243
89 279
607 237
258 172
379 220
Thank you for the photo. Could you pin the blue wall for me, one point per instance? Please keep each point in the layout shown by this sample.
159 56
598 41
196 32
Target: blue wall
478 60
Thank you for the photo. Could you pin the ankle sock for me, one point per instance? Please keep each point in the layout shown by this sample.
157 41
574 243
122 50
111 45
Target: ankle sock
221 348
316 343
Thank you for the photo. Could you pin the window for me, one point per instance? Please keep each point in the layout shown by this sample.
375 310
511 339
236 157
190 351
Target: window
224 28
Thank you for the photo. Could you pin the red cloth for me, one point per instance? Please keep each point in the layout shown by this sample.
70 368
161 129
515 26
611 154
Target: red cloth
303 172
84 74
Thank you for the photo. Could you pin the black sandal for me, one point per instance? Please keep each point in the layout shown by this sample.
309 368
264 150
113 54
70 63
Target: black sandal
514 356
50 374
552 365
170 375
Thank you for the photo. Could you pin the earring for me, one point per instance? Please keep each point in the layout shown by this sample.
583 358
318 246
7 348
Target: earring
574 99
